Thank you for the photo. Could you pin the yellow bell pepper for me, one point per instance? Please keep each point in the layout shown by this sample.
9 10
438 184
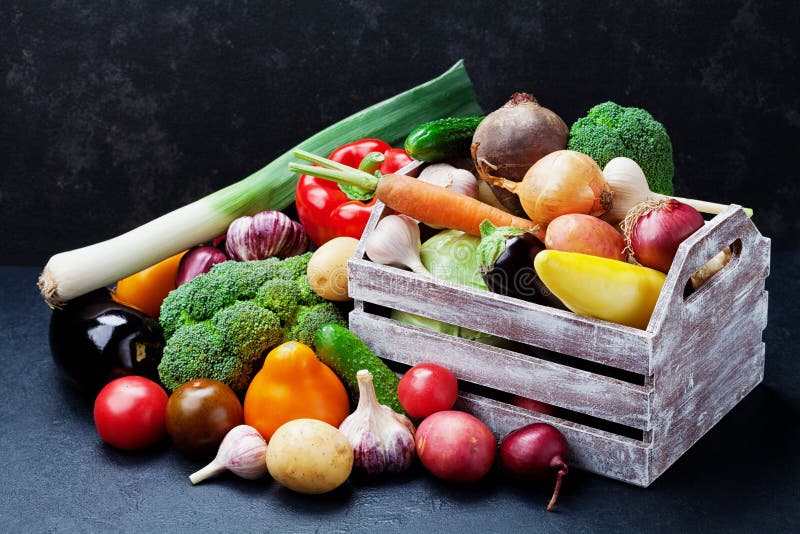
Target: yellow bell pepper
607 289
294 384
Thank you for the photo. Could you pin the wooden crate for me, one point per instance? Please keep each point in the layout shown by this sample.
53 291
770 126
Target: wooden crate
630 401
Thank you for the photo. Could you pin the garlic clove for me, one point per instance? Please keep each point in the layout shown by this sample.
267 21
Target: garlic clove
243 452
382 439
396 241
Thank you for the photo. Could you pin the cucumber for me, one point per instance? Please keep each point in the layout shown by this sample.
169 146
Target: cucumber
345 353
442 139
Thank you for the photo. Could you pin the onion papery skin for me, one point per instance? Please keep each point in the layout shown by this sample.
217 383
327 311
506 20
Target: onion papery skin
655 228
564 182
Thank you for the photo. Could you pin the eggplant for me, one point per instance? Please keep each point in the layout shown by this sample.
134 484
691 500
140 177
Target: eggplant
94 339
505 258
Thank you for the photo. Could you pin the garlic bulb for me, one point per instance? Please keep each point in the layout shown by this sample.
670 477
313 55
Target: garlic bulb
382 439
395 241
264 235
243 452
445 175
630 187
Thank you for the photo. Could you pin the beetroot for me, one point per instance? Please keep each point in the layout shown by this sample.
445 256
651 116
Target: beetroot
535 451
511 139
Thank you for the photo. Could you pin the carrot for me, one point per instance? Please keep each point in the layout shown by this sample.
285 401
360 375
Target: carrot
428 203
438 206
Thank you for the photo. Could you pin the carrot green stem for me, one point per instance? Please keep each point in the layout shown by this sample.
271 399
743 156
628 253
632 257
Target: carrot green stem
351 176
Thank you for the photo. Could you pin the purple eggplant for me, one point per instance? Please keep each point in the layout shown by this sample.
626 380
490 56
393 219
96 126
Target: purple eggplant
505 258
264 235
95 339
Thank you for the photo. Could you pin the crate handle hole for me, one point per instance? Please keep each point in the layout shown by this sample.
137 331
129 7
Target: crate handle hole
713 271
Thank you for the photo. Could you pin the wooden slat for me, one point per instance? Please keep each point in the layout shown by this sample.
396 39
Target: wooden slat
705 408
590 449
704 371
507 371
548 328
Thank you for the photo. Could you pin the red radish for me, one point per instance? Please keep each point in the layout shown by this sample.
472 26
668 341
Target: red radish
654 228
534 451
578 232
455 446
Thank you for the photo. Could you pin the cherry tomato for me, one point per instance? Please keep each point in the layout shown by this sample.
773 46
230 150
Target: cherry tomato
200 413
427 388
146 289
129 413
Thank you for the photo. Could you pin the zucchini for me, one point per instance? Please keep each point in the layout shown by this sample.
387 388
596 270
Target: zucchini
442 139
346 354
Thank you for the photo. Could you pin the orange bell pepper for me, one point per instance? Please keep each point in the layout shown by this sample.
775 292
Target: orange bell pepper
294 384
147 289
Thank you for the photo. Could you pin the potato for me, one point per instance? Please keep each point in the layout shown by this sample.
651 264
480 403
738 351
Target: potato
327 268
578 232
309 456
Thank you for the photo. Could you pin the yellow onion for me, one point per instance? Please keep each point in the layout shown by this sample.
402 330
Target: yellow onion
561 182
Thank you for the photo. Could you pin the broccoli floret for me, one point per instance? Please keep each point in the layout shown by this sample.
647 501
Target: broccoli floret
280 296
610 130
220 324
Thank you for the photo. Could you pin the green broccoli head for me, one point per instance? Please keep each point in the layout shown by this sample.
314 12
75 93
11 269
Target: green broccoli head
192 352
221 324
610 130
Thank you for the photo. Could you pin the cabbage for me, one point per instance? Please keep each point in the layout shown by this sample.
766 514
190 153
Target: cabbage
451 255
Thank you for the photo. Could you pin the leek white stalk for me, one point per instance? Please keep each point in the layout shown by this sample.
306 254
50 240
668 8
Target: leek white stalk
70 274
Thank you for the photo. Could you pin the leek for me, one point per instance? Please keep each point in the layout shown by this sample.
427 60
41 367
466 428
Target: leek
70 274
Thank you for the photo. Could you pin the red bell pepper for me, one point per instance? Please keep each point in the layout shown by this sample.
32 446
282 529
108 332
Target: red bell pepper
325 210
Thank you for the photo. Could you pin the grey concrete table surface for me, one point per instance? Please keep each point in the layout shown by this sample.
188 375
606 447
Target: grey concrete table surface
57 476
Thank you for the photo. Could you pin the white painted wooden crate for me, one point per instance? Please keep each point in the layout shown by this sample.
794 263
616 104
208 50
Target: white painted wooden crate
654 393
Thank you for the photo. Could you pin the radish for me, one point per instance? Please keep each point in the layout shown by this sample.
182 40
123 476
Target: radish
455 446
534 451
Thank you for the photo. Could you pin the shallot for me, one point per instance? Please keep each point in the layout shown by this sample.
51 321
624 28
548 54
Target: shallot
197 261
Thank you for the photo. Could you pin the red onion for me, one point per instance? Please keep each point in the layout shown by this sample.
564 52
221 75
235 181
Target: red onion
197 261
534 451
264 235
654 228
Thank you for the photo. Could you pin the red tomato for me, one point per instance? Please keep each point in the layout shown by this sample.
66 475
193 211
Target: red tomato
130 412
427 388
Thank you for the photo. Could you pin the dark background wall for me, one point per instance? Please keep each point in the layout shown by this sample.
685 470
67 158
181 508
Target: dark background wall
112 113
